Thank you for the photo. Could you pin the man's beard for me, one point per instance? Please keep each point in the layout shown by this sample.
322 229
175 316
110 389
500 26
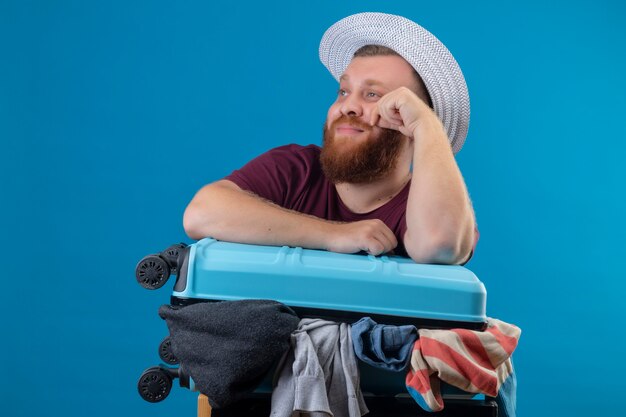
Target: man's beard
371 160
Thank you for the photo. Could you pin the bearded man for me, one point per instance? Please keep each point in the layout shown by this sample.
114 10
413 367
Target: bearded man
385 180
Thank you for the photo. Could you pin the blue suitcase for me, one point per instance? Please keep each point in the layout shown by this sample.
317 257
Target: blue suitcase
338 287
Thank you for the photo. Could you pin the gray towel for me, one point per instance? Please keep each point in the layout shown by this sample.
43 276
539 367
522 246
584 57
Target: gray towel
227 347
319 377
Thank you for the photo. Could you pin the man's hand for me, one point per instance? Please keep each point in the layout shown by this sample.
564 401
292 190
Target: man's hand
371 236
402 110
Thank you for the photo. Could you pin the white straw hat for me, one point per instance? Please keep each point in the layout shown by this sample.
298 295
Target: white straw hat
430 58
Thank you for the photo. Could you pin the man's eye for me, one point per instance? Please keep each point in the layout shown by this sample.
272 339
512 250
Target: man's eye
372 94
342 92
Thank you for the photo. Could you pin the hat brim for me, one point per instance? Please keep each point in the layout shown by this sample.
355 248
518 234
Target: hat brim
436 66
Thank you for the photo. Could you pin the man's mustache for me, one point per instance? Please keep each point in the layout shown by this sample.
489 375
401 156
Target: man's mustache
352 122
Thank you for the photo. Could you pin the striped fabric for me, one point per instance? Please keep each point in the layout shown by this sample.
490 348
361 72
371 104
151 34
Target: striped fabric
476 362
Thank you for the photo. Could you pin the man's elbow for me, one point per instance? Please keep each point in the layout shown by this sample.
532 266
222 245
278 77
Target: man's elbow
201 216
438 250
192 222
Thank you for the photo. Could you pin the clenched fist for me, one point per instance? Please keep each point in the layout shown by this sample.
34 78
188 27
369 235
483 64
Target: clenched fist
402 110
371 236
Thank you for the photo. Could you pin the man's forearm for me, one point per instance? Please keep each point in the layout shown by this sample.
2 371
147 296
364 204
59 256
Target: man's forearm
440 219
223 211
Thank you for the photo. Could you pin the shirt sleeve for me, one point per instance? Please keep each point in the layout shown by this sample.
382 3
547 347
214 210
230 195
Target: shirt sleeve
273 175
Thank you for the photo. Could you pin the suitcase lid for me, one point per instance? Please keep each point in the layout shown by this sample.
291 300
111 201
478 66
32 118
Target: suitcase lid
385 285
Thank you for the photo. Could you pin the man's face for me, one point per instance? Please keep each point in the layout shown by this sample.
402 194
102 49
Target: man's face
353 151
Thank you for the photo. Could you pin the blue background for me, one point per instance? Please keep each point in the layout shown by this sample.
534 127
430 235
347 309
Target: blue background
112 114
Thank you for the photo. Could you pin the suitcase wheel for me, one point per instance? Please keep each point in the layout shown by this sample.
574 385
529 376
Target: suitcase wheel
154 384
171 256
152 272
166 353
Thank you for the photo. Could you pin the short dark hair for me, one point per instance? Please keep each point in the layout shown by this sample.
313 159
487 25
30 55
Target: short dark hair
374 50
380 50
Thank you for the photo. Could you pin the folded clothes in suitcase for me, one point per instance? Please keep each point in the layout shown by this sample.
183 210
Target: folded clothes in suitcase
338 287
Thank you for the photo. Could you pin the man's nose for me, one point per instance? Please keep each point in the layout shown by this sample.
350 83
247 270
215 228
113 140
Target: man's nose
351 107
